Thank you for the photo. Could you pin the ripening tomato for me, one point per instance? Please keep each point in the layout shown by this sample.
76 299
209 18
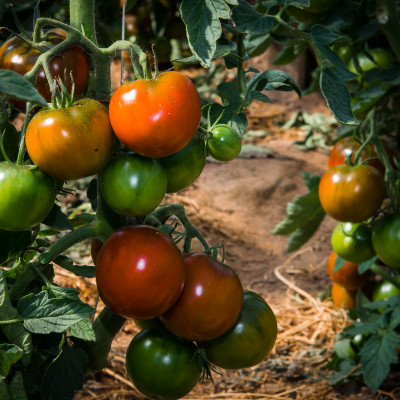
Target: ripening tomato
156 117
347 276
352 242
224 143
27 196
18 56
72 142
95 247
140 272
349 146
342 297
161 365
133 185
185 166
386 240
249 341
210 302
351 193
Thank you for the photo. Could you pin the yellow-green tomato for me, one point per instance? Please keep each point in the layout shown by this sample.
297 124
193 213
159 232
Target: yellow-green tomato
249 341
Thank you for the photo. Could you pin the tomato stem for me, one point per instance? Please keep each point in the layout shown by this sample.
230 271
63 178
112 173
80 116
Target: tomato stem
241 76
82 17
3 150
22 147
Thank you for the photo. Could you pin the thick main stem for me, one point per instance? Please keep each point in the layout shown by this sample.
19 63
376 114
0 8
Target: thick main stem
82 17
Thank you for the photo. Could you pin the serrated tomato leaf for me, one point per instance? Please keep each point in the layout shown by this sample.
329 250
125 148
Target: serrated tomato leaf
248 20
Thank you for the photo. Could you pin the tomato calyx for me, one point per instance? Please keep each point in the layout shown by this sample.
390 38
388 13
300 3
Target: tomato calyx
60 97
207 367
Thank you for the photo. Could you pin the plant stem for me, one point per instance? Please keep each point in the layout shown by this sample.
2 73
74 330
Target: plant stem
22 147
241 76
82 17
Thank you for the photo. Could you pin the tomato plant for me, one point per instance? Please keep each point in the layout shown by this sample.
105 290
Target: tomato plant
161 365
133 185
224 143
140 272
314 13
250 340
342 297
11 139
385 289
80 135
27 196
352 242
386 239
156 117
210 303
347 276
184 166
351 193
20 56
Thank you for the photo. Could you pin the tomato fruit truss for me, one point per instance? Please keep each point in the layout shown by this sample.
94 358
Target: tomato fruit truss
184 166
210 302
156 117
349 146
72 142
249 341
161 365
20 57
133 185
224 144
385 289
27 196
352 242
386 240
342 297
140 272
351 193
347 276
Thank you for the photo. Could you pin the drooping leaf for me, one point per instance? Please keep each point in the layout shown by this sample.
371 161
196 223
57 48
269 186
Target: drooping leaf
16 387
82 330
339 262
13 243
9 355
16 86
257 44
57 219
290 53
64 375
366 265
248 20
42 314
87 271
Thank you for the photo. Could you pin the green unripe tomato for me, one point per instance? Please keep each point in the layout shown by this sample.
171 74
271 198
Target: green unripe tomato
133 185
249 341
184 166
224 144
352 242
384 290
27 196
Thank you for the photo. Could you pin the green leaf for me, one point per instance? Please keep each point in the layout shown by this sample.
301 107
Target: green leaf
203 26
13 243
377 354
9 355
83 330
42 314
82 219
257 44
232 2
342 348
339 262
248 20
130 4
345 368
4 393
290 53
16 387
64 375
57 219
230 95
16 86
15 333
366 265
87 271
303 216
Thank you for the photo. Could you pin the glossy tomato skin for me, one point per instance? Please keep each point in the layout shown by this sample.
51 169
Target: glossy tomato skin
249 341
347 276
224 144
156 117
133 185
351 193
185 166
161 365
385 289
73 142
342 297
352 242
18 56
386 240
27 196
210 303
348 146
140 272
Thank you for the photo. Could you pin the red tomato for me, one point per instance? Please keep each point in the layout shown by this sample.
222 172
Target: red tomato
72 142
156 117
351 193
18 56
347 276
210 303
140 272
349 145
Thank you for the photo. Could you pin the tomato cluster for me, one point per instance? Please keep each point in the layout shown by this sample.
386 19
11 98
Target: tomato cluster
180 299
